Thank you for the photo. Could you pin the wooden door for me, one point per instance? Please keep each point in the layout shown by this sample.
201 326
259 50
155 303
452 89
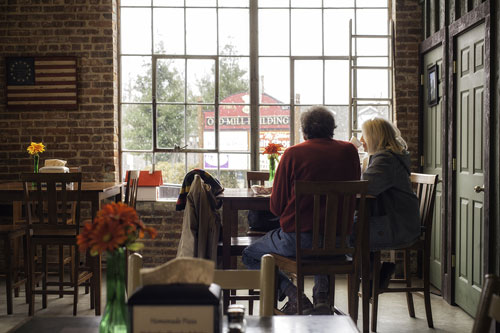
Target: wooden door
432 150
469 204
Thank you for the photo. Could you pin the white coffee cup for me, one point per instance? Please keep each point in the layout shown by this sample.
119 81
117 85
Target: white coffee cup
354 140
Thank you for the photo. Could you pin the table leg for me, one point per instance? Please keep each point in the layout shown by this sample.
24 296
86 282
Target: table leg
8 273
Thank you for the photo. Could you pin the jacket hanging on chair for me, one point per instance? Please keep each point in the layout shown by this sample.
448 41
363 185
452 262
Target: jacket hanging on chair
201 223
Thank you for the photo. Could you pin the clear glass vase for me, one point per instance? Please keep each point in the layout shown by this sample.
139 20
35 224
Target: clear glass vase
272 168
36 161
115 317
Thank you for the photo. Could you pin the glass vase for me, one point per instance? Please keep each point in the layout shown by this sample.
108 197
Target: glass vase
272 169
115 317
36 160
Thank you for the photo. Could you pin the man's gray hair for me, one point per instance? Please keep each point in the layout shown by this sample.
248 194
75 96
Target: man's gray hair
317 122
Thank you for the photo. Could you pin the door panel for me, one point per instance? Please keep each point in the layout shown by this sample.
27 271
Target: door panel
432 157
470 168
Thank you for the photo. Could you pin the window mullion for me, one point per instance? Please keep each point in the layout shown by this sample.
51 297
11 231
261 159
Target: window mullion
254 87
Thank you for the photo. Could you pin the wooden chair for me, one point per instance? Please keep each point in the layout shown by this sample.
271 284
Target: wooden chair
131 188
489 305
10 235
263 279
425 186
51 222
256 178
330 232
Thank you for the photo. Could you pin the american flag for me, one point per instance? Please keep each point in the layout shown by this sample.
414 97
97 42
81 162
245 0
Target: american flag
36 83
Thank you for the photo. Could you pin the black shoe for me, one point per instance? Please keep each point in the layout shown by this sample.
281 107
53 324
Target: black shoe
322 305
386 272
290 307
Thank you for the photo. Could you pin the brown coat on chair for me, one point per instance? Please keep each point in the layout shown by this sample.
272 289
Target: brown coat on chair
201 223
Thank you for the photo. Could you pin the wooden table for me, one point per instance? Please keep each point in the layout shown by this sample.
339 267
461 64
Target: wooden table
93 192
233 200
288 324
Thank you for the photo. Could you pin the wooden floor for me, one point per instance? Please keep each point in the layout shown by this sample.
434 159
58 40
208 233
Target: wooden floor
393 314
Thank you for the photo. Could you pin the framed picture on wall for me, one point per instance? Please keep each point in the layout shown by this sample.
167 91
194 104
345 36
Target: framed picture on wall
432 85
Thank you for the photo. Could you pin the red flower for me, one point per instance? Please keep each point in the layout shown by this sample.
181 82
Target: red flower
115 225
273 148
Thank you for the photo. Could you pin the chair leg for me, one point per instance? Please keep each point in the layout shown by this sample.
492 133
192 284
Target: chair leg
250 302
75 283
427 292
375 288
407 271
61 270
300 291
45 272
26 264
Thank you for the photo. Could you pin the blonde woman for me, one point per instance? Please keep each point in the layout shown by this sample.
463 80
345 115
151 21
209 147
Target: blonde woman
394 216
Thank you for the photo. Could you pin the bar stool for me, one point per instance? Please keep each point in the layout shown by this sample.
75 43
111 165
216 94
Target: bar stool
10 234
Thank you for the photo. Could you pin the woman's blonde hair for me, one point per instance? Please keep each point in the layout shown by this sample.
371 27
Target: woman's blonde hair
380 134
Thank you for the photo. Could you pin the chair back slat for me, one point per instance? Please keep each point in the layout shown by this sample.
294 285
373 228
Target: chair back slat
333 209
47 202
132 188
425 189
256 177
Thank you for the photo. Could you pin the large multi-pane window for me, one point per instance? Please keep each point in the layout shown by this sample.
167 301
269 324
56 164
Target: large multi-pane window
209 83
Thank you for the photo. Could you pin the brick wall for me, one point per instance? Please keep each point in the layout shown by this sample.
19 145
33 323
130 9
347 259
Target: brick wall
408 34
87 137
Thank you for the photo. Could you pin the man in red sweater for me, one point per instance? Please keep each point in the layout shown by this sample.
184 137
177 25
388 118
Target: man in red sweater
318 158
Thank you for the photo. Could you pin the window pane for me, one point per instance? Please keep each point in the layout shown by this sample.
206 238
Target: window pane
306 32
273 32
168 30
235 178
201 80
274 80
338 3
233 3
168 3
306 3
200 127
233 32
372 61
367 112
372 22
172 166
299 137
208 140
136 161
337 31
170 80
371 3
233 77
170 125
201 34
372 83
136 80
274 127
341 115
274 3
372 47
135 2
200 3
135 31
309 81
137 127
336 82
234 125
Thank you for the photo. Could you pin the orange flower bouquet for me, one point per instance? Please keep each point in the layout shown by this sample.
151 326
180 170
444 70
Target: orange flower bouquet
273 150
115 227
35 149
